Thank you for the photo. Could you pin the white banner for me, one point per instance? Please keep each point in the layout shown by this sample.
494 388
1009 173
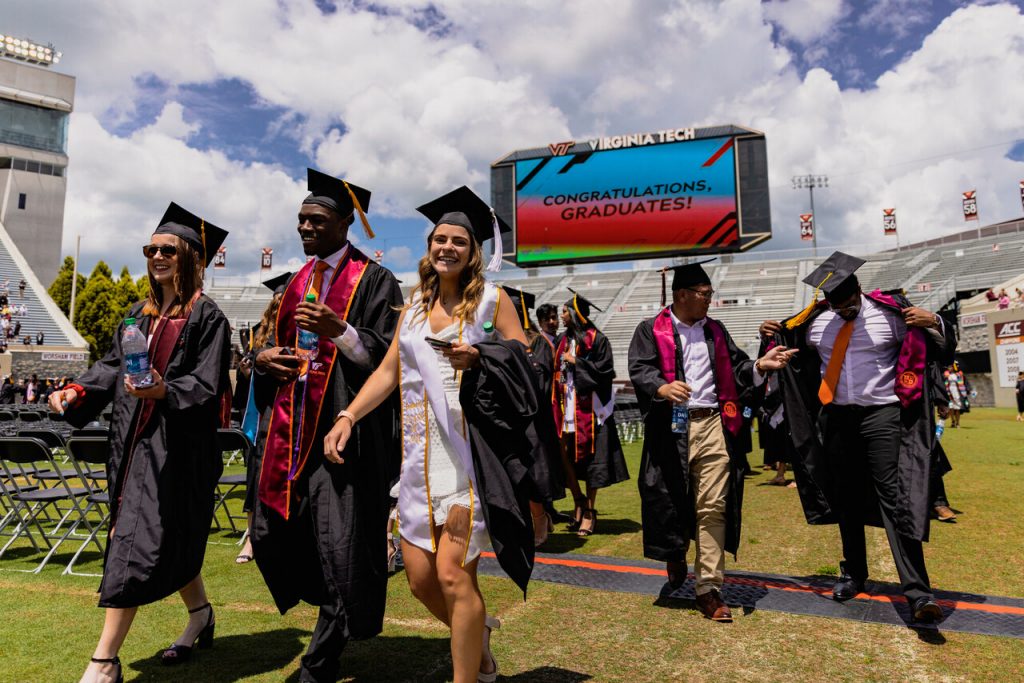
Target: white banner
972 320
64 355
1009 351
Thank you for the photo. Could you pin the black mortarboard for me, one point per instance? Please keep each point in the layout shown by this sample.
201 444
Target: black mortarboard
277 283
579 304
206 238
686 275
523 301
464 208
338 195
835 277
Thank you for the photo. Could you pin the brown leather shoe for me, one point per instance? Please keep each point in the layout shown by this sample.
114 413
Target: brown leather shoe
711 606
944 514
676 574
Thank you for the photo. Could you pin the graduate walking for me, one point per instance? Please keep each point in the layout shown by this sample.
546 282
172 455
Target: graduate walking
859 406
316 527
164 460
690 380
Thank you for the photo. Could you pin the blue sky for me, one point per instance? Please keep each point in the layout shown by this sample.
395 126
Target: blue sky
902 103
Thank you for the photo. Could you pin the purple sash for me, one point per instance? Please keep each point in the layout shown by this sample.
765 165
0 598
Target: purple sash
910 367
725 381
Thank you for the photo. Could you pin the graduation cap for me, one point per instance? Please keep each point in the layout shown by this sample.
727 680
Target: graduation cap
462 207
338 195
205 238
579 304
277 283
835 277
686 275
523 301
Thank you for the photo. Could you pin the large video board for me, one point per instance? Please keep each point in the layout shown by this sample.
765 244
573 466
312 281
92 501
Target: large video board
684 191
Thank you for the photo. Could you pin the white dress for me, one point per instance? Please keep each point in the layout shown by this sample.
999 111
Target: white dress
437 465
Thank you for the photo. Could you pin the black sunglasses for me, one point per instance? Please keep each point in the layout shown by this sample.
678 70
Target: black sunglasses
168 250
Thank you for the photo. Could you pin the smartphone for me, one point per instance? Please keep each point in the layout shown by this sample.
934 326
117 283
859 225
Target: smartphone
438 343
291 359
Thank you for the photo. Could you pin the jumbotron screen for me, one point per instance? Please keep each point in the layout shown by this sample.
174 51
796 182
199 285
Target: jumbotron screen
638 196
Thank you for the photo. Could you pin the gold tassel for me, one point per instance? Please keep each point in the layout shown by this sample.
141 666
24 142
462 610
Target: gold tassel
526 318
578 309
359 210
202 235
801 317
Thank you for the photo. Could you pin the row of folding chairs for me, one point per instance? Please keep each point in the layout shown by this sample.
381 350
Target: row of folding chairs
48 504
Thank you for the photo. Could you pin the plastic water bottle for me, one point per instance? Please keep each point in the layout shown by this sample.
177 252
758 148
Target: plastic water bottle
680 417
136 354
940 429
488 328
307 343
748 412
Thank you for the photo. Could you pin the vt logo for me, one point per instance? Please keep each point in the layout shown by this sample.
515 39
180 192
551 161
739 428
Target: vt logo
560 148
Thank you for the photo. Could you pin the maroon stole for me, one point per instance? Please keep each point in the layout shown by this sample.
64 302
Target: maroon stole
911 364
297 405
585 422
725 380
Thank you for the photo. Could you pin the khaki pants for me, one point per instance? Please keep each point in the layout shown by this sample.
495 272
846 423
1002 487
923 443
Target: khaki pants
709 479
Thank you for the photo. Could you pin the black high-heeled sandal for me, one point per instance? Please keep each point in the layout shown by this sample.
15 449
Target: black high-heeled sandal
116 661
176 654
583 533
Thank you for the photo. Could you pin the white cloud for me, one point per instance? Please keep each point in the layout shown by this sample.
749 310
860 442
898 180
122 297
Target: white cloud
804 20
399 257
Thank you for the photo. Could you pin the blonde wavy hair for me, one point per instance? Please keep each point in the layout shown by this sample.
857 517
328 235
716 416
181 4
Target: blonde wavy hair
268 323
471 284
188 279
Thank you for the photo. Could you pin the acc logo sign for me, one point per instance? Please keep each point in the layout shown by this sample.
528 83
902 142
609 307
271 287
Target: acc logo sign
1010 329
561 148
729 409
908 379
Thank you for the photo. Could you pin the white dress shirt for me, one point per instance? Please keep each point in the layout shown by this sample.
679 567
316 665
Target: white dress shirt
348 342
868 375
697 368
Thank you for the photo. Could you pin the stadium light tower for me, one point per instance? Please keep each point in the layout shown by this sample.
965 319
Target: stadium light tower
28 51
810 182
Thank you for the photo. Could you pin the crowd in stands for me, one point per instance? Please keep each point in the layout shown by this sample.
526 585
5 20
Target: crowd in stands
10 327
1004 300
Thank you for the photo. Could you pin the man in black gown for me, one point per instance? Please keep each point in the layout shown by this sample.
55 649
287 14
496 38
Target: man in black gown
690 381
859 406
316 530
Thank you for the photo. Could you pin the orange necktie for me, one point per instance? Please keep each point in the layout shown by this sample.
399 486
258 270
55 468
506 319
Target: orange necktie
318 278
827 390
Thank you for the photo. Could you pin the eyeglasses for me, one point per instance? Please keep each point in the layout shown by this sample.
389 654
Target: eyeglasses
703 293
168 250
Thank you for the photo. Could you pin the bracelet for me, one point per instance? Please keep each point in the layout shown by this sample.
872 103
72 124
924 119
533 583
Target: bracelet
349 415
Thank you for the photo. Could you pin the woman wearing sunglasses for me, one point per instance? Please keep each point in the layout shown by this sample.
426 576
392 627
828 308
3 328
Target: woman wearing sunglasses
164 460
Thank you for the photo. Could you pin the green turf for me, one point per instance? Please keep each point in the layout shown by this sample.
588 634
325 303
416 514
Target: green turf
567 634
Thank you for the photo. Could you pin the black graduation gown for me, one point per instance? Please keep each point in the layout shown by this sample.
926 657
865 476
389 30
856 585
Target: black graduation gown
332 550
240 395
799 382
162 493
666 499
547 472
499 401
594 372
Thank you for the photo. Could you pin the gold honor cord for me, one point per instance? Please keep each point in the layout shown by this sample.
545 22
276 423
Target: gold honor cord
202 236
801 317
526 318
577 308
359 210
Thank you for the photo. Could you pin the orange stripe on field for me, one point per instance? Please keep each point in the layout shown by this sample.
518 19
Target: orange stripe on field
739 580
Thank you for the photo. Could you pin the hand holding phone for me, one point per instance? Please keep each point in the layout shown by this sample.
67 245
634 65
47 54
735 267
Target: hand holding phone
439 344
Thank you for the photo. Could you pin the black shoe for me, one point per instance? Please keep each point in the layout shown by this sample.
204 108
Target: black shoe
677 572
846 587
177 654
926 611
116 661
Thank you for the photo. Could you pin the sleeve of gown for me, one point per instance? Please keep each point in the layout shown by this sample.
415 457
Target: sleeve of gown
644 366
204 383
100 384
378 316
596 372
542 361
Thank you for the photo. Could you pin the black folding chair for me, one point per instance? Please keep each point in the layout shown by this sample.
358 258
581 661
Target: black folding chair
231 441
91 431
29 503
30 416
6 416
91 451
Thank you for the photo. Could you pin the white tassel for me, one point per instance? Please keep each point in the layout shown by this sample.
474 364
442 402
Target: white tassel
495 264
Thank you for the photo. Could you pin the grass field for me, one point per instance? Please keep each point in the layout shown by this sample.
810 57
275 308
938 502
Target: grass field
564 634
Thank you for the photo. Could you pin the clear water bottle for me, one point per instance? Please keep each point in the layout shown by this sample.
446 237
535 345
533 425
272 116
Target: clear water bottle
136 354
307 343
680 417
940 429
748 412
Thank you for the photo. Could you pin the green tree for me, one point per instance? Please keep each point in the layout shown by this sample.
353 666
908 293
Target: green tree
60 290
101 307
